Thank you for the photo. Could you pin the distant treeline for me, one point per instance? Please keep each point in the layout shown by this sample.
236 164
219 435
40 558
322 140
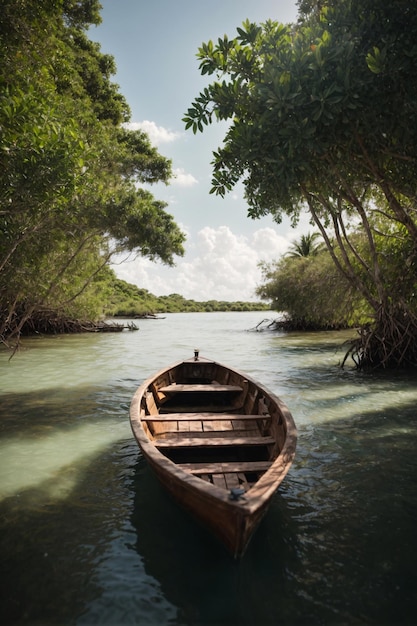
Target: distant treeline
127 300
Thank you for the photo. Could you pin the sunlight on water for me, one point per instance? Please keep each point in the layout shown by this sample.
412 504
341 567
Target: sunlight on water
54 463
64 361
344 401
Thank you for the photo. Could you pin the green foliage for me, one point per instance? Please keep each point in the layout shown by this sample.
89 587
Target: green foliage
70 174
310 291
306 246
397 265
87 73
81 14
127 300
314 294
304 106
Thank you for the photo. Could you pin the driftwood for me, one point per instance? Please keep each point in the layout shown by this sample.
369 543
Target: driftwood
286 324
40 325
149 316
269 324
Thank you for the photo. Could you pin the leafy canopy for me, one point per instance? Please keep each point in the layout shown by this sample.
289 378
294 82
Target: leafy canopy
70 171
315 105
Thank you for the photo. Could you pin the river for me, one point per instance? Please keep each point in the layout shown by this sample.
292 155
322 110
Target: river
88 536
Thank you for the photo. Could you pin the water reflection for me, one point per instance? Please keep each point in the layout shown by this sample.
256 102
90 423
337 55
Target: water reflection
208 585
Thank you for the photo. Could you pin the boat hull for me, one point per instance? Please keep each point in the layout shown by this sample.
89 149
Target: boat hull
230 522
228 489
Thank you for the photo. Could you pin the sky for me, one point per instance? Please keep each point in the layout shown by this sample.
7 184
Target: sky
155 43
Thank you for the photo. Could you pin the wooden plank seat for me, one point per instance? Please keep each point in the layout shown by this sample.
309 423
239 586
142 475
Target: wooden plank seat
188 442
167 409
234 467
198 388
201 417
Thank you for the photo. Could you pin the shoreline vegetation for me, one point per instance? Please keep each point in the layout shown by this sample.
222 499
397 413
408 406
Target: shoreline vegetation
126 301
122 301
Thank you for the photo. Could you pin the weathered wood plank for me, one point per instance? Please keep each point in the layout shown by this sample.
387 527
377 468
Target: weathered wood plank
196 426
222 433
229 468
242 478
185 388
219 480
232 480
196 408
217 425
186 442
190 417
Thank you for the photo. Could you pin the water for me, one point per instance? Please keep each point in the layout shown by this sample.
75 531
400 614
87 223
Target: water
88 536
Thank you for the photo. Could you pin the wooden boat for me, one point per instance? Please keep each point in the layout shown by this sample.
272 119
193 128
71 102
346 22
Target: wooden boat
220 442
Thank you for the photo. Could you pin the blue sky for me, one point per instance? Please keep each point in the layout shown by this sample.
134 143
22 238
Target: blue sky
154 44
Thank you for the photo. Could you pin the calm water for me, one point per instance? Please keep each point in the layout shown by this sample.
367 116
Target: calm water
87 535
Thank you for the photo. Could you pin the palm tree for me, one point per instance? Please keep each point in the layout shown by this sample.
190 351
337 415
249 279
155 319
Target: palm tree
305 246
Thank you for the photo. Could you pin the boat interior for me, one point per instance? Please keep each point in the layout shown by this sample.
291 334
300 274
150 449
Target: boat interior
213 423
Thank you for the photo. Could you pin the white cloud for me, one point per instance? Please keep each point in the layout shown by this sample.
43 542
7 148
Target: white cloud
157 134
269 244
219 265
182 179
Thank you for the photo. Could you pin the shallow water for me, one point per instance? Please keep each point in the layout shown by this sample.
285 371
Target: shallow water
88 536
